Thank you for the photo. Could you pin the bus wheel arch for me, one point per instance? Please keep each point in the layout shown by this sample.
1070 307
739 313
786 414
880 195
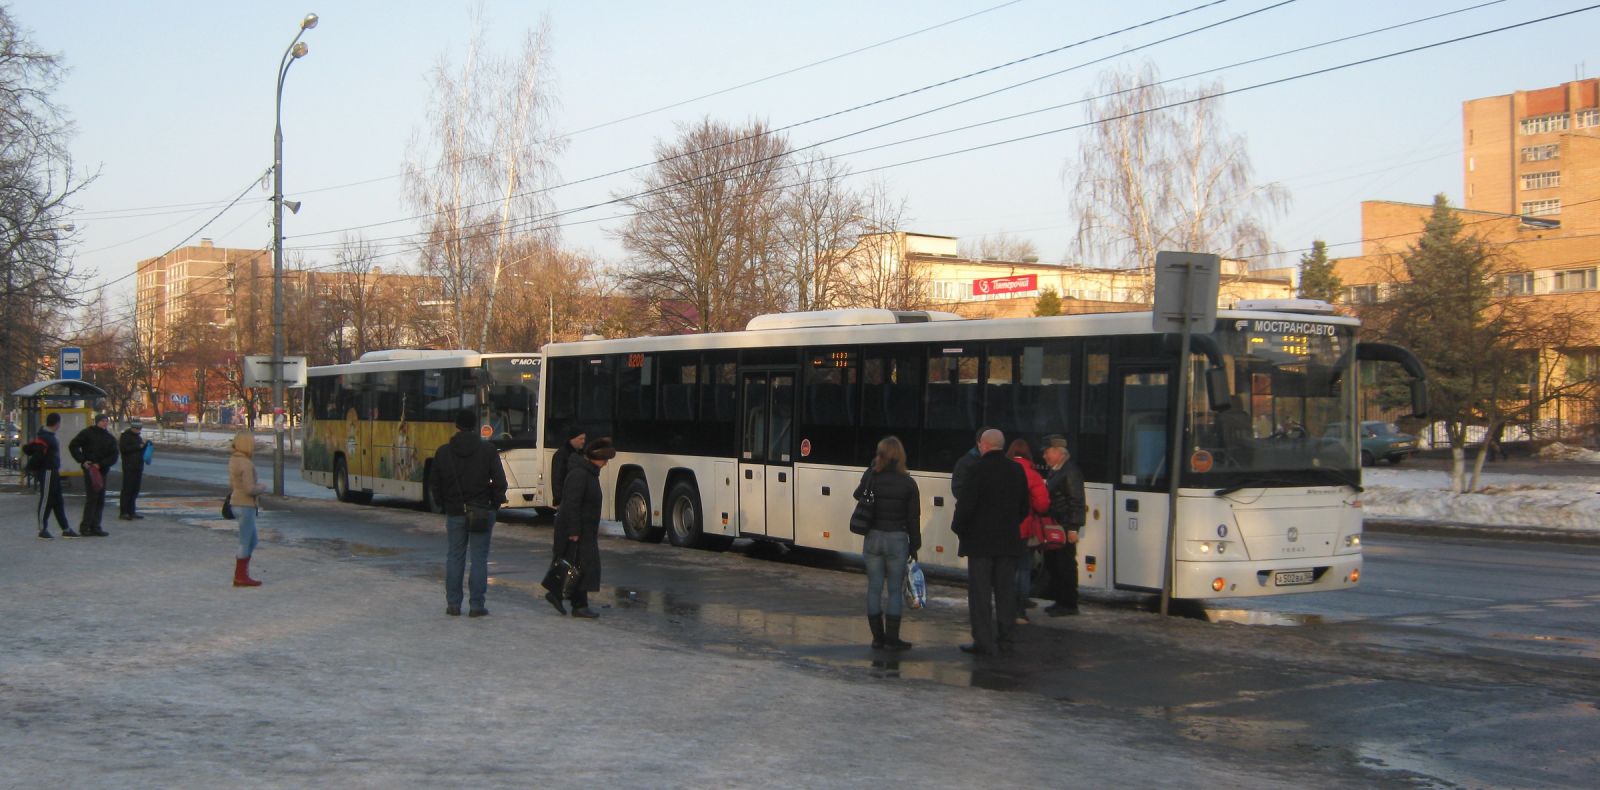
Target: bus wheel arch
430 503
633 496
341 483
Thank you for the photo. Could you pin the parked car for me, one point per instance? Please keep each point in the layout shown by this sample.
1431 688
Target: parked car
174 419
1380 441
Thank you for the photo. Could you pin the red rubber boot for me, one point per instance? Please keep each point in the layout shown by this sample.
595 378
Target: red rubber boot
241 573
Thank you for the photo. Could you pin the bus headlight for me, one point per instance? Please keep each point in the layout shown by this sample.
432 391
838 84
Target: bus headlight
1352 541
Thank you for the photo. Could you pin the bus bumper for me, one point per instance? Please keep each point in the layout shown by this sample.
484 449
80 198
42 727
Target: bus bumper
524 497
1248 578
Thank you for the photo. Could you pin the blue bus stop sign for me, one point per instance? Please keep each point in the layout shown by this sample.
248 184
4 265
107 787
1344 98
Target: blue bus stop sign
71 362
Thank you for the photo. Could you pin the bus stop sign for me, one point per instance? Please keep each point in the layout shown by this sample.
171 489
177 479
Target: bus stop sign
71 362
1186 291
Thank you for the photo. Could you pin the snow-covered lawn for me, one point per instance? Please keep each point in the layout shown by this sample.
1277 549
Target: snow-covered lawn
1568 503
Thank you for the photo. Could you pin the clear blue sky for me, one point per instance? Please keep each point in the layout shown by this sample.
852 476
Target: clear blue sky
173 102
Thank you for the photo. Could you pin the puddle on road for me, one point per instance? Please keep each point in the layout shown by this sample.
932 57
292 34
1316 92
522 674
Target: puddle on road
338 545
1256 617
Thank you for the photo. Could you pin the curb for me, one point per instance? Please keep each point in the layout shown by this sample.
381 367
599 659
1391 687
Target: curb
1483 532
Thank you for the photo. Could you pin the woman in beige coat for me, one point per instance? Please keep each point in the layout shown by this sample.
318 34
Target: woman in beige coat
242 477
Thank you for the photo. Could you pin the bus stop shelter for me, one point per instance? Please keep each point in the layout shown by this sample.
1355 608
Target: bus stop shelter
76 402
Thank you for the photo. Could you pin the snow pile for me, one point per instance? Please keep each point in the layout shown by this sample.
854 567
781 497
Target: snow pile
1556 451
1507 500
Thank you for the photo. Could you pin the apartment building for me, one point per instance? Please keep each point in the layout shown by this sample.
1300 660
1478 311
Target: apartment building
1535 153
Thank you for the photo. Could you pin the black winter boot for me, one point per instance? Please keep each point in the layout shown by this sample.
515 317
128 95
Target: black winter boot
891 637
875 622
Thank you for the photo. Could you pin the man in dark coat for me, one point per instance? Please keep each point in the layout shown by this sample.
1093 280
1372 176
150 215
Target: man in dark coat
96 449
467 472
569 452
49 473
986 522
131 444
578 524
1068 508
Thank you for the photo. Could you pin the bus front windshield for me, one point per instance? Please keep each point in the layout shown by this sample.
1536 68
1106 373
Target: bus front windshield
511 400
1291 415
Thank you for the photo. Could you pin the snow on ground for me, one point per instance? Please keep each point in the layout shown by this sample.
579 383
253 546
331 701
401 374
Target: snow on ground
209 439
1566 503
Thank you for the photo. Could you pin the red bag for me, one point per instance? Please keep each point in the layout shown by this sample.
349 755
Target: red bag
1052 537
97 480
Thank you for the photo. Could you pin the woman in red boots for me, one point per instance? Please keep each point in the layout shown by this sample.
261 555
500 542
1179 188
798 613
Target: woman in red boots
242 476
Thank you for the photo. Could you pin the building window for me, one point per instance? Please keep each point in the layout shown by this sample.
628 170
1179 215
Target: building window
1540 153
1516 284
1542 180
1584 119
1582 365
1556 122
1573 280
1541 208
1361 294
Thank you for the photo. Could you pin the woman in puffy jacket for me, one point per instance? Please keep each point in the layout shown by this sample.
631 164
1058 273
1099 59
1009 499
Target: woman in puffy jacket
244 489
895 535
1032 524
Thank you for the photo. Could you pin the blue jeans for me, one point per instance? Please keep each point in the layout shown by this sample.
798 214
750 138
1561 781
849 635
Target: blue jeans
885 553
460 543
247 530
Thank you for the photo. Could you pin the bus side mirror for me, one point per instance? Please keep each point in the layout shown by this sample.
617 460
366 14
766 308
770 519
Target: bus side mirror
1217 389
1419 398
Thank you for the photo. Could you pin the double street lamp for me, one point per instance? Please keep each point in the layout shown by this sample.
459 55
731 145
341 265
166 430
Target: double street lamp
297 49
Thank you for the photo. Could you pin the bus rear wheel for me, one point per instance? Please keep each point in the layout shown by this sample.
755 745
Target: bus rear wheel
430 502
684 527
636 512
341 485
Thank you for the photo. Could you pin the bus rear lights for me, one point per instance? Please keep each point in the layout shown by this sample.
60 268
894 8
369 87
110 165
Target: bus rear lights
1355 576
1218 583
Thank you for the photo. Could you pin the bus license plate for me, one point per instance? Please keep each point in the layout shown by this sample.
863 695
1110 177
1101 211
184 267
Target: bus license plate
1291 578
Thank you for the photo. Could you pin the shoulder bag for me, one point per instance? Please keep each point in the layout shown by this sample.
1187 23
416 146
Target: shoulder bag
861 517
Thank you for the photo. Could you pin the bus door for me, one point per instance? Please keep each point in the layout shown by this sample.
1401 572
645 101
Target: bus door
766 454
1139 532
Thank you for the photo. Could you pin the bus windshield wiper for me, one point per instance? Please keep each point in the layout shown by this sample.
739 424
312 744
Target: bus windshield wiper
1341 479
1254 482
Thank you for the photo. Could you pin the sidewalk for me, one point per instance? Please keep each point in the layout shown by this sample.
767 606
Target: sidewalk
130 661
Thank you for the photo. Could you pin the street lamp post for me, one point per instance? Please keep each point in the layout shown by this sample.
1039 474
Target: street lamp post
280 418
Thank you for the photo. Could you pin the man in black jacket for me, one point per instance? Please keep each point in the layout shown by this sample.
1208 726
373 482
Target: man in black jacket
49 473
987 521
131 444
96 449
1067 508
467 475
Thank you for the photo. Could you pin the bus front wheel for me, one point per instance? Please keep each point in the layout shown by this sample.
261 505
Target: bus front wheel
683 506
636 512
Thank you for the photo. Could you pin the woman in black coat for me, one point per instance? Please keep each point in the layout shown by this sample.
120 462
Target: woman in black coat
569 450
578 524
895 535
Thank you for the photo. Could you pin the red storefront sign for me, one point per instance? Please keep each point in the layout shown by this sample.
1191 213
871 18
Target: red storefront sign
1005 285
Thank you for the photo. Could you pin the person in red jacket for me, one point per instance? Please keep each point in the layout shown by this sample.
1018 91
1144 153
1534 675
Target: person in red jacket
1038 508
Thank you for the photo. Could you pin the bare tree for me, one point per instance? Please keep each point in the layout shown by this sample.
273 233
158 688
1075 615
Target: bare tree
1161 171
37 183
703 232
820 220
880 274
479 176
999 247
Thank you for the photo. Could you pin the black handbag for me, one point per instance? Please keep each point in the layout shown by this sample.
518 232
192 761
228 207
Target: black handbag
562 578
866 506
227 506
478 518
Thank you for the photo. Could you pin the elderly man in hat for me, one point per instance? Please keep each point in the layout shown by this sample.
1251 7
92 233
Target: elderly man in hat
1068 508
96 450
132 446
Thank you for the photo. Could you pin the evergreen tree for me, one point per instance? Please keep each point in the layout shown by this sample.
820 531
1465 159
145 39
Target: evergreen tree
1048 303
1317 279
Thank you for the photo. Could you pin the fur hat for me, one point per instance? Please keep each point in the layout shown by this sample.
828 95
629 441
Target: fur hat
600 450
1055 440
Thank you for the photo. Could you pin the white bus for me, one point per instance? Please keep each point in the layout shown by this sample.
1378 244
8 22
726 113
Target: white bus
764 433
372 426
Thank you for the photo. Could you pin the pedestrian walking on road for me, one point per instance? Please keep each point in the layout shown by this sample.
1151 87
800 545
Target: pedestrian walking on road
132 445
245 488
471 484
986 523
96 450
1032 524
1068 508
895 535
48 472
570 450
578 524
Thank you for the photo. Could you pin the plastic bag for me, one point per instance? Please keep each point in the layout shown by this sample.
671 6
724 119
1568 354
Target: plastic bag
149 452
916 584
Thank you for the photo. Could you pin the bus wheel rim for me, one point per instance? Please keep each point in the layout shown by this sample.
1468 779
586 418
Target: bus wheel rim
636 513
683 517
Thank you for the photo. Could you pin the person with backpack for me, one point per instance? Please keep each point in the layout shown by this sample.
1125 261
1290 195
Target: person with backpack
45 461
96 449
